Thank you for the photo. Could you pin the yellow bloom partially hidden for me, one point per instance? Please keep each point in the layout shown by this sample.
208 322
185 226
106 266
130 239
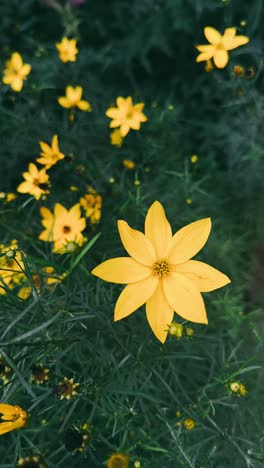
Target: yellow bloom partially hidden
117 460
92 204
126 115
219 45
36 182
116 138
50 155
16 72
159 271
73 98
63 227
11 267
67 49
11 418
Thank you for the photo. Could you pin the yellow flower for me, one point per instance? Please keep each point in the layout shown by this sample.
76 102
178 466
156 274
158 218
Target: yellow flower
128 164
63 227
117 460
13 416
176 329
219 45
67 389
92 204
126 115
194 158
116 138
16 72
67 50
189 424
50 155
73 98
238 388
36 182
160 272
11 266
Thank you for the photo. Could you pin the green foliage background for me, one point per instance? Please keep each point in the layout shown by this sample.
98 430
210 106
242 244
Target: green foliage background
130 385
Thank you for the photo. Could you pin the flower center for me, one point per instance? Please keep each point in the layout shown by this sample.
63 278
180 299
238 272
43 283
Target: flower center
66 229
220 46
161 268
129 115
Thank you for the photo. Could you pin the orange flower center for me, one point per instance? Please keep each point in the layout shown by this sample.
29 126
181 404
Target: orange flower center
161 268
220 46
66 229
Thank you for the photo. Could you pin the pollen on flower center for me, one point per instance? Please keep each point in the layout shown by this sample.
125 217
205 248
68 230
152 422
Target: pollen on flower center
66 229
161 268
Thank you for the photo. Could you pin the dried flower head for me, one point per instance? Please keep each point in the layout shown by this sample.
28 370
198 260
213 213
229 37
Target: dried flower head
76 439
40 374
67 389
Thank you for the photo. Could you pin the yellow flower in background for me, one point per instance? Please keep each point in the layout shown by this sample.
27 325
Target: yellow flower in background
92 204
11 266
116 138
189 424
219 45
128 164
63 227
11 418
73 98
126 115
36 182
67 388
159 271
16 72
117 460
47 278
33 461
67 49
50 155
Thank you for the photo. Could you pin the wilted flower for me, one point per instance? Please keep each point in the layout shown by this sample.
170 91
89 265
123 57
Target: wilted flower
67 49
126 115
73 98
50 155
117 460
160 272
36 182
66 389
219 45
16 72
11 418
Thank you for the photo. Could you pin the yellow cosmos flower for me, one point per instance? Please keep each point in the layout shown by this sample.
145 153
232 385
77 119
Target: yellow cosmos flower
63 227
126 115
50 155
73 98
67 50
36 182
16 72
160 272
11 418
117 460
219 45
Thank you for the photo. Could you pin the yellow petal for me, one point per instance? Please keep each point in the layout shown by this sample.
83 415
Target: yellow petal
64 102
84 106
205 48
188 241
158 229
6 427
184 297
221 58
17 84
159 313
46 149
7 410
212 35
205 277
136 244
134 296
238 41
204 56
113 113
121 270
124 129
59 210
17 62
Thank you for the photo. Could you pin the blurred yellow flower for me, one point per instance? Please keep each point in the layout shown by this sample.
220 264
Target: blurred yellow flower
92 204
36 182
189 424
33 461
50 155
47 277
16 72
219 45
73 98
63 227
160 272
11 266
128 164
67 49
176 329
117 460
116 138
11 418
126 115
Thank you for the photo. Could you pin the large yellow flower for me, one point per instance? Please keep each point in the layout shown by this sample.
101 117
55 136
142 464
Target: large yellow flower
67 50
36 182
50 155
11 417
219 45
16 72
126 115
73 98
64 227
160 272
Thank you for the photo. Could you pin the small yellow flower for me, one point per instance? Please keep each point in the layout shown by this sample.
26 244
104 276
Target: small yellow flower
62 227
92 204
16 72
238 70
188 201
67 49
4 371
117 460
8 197
116 138
40 374
137 464
234 387
219 45
189 331
126 115
189 424
137 182
176 329
194 158
242 390
160 272
74 188
238 388
11 418
67 389
50 155
128 164
73 98
36 182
